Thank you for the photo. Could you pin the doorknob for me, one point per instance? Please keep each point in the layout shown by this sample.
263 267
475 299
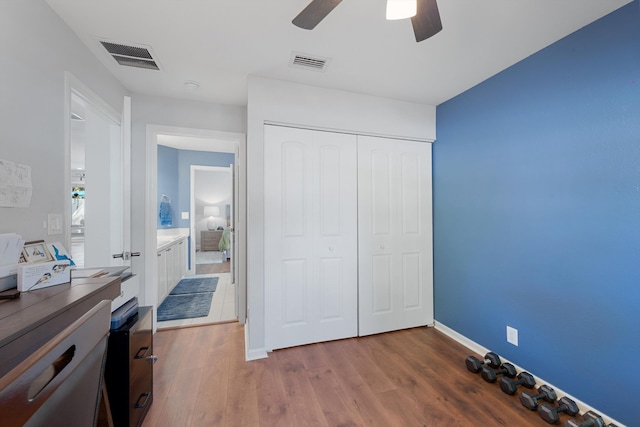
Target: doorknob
125 255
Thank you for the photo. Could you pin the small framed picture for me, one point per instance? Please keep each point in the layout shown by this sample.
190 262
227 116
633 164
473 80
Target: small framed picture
36 251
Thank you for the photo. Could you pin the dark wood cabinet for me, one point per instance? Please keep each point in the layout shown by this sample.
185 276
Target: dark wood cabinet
129 369
28 322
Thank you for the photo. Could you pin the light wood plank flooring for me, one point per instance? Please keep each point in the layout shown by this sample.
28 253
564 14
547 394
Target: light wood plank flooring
223 267
415 377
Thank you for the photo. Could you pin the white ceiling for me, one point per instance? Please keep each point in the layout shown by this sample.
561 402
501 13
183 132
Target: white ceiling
218 43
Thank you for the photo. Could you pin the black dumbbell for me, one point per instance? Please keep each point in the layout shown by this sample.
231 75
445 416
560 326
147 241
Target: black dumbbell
491 375
490 359
530 400
551 414
510 386
591 419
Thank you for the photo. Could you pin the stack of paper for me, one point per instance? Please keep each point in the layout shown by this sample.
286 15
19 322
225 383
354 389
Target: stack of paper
10 250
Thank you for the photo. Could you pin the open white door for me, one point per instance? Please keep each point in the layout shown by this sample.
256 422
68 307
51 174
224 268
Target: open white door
126 185
103 215
108 189
103 138
231 226
126 253
131 287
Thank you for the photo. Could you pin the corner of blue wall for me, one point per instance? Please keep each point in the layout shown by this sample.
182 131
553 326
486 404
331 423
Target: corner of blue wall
536 183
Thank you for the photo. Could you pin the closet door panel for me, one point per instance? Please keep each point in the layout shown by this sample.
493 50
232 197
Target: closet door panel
410 194
382 294
310 236
330 283
336 241
292 182
378 176
411 289
288 256
416 235
329 185
394 241
376 272
295 287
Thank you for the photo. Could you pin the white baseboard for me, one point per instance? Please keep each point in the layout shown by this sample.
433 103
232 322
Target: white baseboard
253 354
477 348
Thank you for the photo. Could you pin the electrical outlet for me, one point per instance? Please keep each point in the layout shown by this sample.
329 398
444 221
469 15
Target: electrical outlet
512 335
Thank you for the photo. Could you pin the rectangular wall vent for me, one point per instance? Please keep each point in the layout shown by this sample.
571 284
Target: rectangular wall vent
308 62
131 56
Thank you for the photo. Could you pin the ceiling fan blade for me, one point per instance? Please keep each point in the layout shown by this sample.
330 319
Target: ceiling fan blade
427 22
315 12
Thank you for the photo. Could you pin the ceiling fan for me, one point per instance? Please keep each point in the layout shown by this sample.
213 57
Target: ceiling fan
426 21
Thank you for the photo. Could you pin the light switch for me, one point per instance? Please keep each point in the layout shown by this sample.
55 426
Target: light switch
185 215
54 222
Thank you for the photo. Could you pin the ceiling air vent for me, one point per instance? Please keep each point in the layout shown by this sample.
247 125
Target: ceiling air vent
308 62
131 56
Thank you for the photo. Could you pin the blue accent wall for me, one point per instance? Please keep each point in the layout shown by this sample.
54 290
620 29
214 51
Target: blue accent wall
167 182
174 175
174 179
537 213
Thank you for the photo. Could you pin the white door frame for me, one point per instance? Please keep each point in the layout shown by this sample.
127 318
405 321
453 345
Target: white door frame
151 242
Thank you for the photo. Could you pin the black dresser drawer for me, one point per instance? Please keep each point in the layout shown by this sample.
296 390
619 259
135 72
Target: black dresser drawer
129 369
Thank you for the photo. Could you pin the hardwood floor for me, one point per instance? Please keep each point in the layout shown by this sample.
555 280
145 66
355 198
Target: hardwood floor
224 267
414 377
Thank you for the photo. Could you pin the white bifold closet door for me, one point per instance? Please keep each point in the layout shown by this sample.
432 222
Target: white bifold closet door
310 236
394 234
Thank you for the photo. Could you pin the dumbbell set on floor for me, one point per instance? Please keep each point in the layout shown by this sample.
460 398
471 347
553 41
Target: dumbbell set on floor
551 414
492 367
591 419
490 359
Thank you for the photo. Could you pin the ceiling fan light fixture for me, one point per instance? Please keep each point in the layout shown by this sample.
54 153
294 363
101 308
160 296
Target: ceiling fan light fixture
401 9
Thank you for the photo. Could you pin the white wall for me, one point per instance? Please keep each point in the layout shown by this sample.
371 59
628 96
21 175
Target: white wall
153 110
281 102
37 48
